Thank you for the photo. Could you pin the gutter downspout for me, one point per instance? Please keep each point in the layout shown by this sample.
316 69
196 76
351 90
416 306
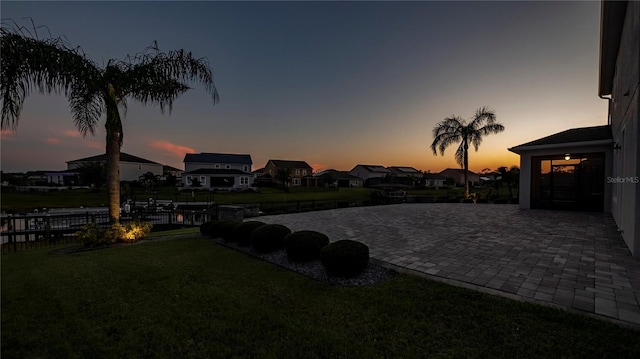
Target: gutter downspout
609 100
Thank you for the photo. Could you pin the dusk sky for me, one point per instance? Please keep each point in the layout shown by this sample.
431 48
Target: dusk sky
334 84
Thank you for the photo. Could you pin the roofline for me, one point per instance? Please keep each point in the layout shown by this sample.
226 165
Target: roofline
519 149
612 14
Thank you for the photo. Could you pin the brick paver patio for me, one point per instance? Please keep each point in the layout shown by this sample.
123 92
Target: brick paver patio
573 260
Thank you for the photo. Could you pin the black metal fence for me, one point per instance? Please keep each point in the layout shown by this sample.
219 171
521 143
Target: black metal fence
36 230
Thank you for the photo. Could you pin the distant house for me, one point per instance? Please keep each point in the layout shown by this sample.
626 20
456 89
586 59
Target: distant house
458 175
331 177
434 180
217 171
299 172
131 167
405 175
63 178
172 171
405 172
370 174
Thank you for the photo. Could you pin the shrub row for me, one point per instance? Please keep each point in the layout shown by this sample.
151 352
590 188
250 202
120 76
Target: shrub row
345 258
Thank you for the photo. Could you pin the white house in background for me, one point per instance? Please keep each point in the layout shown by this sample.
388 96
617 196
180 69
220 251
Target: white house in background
434 180
217 171
131 167
370 174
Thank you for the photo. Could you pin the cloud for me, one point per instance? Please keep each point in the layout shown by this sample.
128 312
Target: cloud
7 135
171 148
52 141
72 133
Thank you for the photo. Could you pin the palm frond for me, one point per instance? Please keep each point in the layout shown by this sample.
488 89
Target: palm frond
48 65
459 156
87 108
446 133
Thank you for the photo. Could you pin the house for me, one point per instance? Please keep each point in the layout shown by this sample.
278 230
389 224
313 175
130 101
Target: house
299 172
131 167
597 168
567 170
63 178
405 172
175 173
433 180
331 177
217 171
405 175
458 175
370 174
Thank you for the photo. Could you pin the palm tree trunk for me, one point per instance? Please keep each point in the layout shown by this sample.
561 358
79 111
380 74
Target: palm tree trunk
466 169
113 175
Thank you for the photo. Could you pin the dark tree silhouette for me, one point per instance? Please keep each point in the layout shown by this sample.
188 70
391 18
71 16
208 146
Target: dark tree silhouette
52 65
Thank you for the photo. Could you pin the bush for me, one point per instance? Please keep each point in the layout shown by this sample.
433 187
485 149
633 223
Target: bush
205 228
215 229
304 246
226 229
345 258
269 238
242 233
92 235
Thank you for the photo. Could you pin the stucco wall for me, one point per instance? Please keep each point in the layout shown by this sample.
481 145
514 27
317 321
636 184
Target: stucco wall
625 122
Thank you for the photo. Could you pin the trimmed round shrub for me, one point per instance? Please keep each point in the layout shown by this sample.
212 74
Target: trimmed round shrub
304 246
269 238
226 229
345 258
215 229
205 228
242 232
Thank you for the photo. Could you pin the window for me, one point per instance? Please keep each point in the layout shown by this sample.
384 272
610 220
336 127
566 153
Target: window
304 172
216 166
245 168
188 181
203 180
244 180
297 172
296 181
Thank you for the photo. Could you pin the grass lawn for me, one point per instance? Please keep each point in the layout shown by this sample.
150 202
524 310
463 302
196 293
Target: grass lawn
190 297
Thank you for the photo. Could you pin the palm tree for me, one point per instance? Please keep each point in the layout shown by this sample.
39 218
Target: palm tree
51 65
454 129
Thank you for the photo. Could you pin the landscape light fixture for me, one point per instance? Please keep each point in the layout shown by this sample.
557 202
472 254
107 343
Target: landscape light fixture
567 157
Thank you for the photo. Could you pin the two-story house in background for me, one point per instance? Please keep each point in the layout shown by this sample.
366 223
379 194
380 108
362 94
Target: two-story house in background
217 171
299 173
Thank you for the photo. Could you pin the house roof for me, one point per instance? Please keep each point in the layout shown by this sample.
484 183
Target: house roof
612 14
456 170
374 168
166 168
218 158
572 136
124 157
212 171
259 170
335 174
290 164
400 169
